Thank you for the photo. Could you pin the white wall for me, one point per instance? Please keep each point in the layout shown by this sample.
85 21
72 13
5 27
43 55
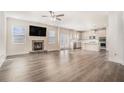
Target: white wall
79 20
13 49
115 37
2 38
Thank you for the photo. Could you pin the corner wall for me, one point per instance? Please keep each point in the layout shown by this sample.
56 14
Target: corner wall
2 38
115 37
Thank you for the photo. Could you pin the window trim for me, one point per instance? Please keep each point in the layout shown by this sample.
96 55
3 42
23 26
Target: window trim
55 38
12 34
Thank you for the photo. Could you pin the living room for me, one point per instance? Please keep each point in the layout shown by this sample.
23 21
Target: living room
70 36
65 41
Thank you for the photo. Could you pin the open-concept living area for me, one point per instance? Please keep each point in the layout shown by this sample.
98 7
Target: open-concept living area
61 46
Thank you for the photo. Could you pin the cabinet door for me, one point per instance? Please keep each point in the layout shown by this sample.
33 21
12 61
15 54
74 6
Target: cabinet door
101 33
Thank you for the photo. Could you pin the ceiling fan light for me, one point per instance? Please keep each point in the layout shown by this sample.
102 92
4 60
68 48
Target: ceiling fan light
52 14
54 19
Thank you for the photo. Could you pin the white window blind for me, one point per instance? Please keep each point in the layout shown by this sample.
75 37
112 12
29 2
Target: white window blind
18 35
51 37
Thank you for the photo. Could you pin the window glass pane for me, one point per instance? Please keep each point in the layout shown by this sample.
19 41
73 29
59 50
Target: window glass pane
18 31
19 39
18 34
51 34
51 37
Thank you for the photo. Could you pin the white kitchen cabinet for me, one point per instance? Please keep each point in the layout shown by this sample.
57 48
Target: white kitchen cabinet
89 43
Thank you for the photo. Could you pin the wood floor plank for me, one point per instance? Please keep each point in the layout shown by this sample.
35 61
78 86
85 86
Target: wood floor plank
63 66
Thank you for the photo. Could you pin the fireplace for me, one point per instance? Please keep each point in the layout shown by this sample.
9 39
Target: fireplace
37 45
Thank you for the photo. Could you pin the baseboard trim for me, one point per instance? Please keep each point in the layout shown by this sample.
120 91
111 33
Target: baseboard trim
17 54
9 55
116 61
53 50
2 60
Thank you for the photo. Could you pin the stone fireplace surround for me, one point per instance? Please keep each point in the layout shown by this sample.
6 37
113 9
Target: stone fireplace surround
37 45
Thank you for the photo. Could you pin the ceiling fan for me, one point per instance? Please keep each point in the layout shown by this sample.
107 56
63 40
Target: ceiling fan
53 16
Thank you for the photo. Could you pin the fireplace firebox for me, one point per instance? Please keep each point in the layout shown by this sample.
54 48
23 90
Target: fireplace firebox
37 45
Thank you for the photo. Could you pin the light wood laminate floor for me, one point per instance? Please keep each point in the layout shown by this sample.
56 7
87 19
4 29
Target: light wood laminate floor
63 66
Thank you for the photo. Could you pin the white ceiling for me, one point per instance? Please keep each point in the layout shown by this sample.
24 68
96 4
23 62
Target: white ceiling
78 20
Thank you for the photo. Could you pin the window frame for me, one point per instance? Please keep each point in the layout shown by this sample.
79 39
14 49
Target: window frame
49 37
13 35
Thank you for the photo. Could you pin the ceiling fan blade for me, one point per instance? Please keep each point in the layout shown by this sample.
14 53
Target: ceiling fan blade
59 19
44 16
59 15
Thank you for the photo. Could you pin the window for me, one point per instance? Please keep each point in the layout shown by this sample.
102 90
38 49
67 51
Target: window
18 35
64 40
51 37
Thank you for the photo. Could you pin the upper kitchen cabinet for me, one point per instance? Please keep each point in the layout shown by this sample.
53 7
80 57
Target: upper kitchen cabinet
101 33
